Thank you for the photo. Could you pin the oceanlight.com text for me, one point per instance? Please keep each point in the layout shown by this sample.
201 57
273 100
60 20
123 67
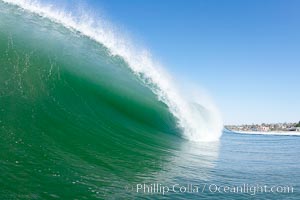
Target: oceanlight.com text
251 189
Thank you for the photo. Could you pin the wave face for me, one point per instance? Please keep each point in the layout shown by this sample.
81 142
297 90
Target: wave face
205 125
81 111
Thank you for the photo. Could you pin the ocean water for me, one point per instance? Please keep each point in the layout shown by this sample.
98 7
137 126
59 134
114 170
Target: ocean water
79 119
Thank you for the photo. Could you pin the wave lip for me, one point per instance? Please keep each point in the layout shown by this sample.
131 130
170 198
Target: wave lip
195 124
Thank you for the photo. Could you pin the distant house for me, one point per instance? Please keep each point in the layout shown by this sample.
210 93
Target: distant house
264 128
292 129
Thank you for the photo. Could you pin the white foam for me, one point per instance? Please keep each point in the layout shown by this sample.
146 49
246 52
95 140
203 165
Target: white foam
288 133
194 124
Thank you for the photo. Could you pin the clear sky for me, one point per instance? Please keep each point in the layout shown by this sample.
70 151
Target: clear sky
246 54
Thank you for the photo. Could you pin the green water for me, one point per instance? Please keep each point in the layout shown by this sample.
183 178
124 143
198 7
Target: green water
76 123
72 116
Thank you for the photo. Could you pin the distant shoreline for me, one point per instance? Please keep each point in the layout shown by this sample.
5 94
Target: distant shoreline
267 132
275 128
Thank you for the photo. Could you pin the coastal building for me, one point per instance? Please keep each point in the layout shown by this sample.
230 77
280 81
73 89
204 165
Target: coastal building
264 128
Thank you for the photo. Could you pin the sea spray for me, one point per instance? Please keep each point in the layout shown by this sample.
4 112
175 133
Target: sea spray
195 124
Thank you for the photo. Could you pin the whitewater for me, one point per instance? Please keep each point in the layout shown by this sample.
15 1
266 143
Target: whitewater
278 133
78 120
203 124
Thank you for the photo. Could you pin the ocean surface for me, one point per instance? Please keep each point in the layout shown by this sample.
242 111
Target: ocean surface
80 120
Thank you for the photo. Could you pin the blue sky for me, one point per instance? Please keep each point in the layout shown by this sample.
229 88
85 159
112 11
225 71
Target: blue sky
246 54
